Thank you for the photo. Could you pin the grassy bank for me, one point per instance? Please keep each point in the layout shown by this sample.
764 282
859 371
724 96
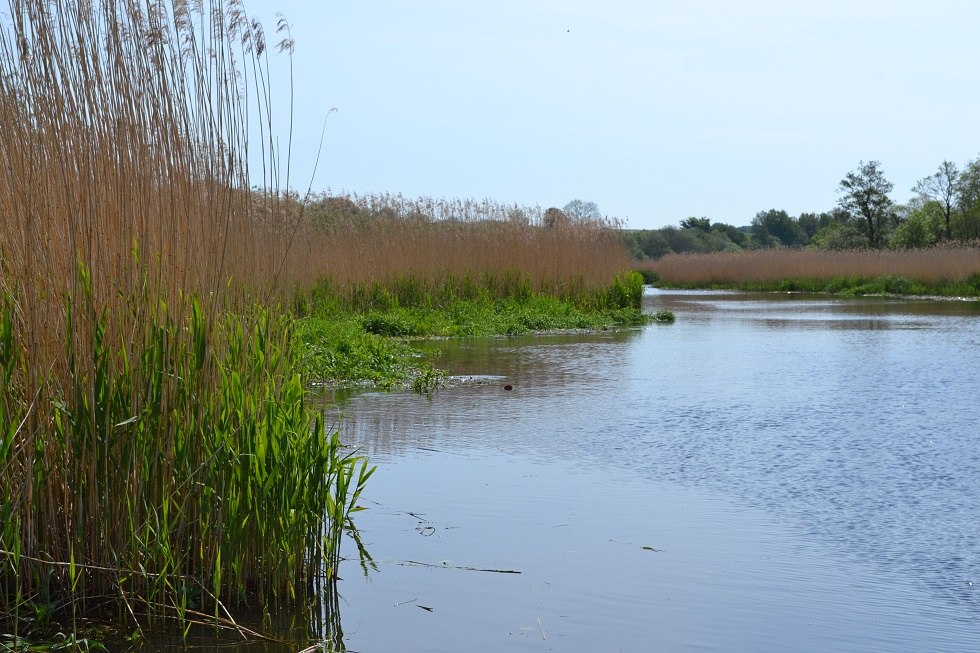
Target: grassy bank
951 272
350 340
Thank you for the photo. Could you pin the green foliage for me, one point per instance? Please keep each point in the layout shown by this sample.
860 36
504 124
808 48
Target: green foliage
735 236
428 380
395 323
966 224
811 223
649 276
699 224
839 236
865 198
181 466
777 227
967 197
924 227
939 189
625 292
354 346
340 350
664 317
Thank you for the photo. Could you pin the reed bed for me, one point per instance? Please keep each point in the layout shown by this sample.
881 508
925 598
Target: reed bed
435 262
934 268
157 456
421 250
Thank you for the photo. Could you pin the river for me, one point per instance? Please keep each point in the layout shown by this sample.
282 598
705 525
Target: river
769 473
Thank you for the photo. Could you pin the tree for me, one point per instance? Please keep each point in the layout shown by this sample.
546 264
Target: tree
922 227
580 211
731 232
941 188
646 244
866 198
682 241
839 236
701 224
779 225
811 223
968 201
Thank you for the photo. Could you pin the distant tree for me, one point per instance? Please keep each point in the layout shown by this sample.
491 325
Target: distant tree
840 236
646 243
682 241
923 226
811 223
865 197
760 238
580 211
554 218
733 233
701 224
967 224
778 225
941 188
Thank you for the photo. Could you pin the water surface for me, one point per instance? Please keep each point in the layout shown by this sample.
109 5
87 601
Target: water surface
769 473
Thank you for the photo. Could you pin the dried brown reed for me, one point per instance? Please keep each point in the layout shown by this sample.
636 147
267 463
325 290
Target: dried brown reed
379 239
124 128
932 266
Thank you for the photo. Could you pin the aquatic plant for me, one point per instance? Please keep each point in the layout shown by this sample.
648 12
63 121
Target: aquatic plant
428 380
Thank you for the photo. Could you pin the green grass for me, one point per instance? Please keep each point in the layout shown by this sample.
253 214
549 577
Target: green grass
353 342
340 350
166 484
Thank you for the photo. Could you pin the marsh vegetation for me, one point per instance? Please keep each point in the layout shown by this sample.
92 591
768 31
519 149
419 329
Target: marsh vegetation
947 271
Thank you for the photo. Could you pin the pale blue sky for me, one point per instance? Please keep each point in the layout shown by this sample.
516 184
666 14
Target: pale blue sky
656 111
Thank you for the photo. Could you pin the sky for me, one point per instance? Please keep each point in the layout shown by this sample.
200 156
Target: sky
654 110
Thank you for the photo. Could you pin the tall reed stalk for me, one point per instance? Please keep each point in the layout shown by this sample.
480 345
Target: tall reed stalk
157 456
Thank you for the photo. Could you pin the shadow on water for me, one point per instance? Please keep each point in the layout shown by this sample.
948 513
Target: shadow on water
281 630
305 625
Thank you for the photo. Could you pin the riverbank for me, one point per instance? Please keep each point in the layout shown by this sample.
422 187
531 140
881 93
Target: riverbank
843 286
937 272
340 344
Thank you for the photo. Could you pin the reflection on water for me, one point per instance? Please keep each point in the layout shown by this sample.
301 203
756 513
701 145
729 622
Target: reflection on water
795 461
283 629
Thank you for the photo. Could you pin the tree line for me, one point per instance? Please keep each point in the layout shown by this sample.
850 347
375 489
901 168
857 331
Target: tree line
945 208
